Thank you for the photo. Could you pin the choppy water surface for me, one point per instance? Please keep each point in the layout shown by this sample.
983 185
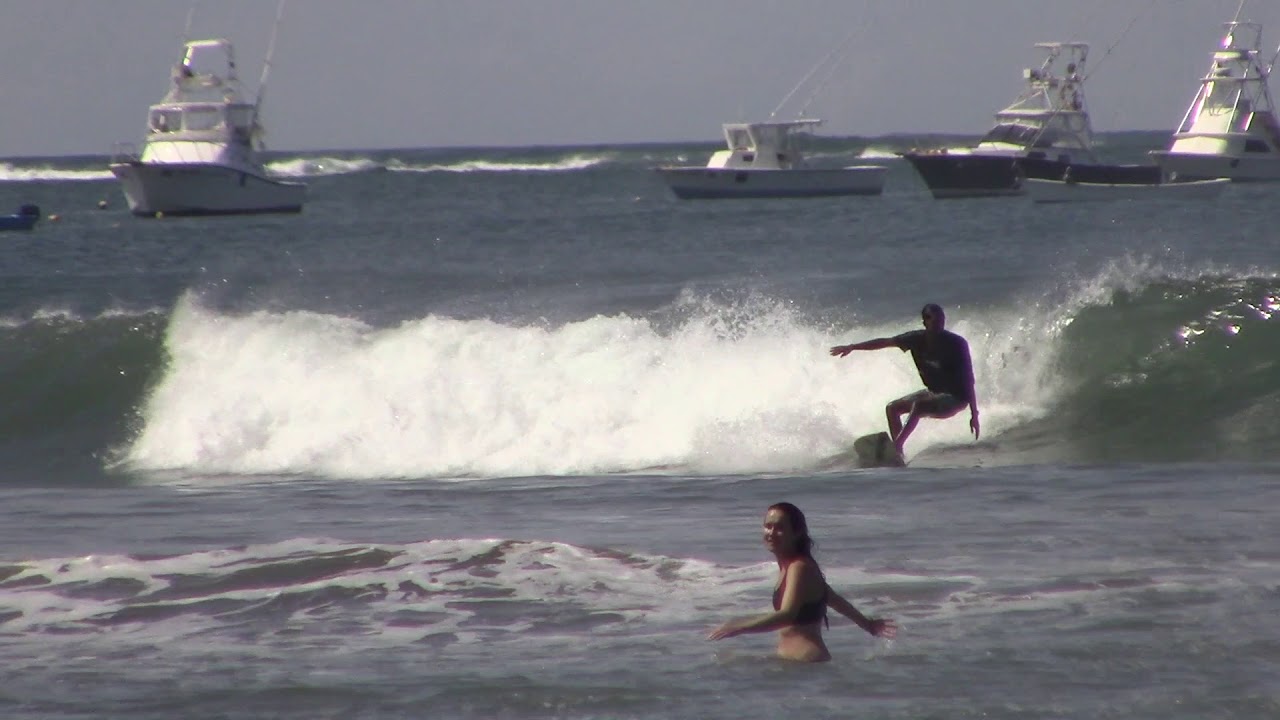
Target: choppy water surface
489 433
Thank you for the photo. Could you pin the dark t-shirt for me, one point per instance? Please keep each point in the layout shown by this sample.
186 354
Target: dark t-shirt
944 364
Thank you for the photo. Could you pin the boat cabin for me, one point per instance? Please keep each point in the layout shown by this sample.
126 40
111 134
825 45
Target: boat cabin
204 101
763 145
199 118
203 117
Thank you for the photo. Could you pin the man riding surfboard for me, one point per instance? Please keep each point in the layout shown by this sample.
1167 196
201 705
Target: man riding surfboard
946 369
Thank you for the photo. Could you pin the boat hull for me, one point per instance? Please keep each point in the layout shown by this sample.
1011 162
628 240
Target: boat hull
1060 191
1198 166
968 175
700 183
204 189
965 175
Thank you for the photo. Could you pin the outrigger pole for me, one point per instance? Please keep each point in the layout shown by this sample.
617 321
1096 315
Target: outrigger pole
186 31
266 64
827 59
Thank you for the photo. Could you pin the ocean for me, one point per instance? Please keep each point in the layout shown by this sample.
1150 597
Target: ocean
490 433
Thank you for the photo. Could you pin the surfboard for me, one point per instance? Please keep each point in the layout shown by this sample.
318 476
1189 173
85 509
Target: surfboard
877 450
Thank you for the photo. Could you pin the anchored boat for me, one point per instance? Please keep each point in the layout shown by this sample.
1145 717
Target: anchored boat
1230 128
765 159
1045 131
201 155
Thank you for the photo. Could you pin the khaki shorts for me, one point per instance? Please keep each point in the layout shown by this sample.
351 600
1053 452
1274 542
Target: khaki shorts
938 405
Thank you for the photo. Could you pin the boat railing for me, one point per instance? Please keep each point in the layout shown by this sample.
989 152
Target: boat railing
123 152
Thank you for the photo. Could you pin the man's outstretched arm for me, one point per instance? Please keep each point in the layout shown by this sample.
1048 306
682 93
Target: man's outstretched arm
876 344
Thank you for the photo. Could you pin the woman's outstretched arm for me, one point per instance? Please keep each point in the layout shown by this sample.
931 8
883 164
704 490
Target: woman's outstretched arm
879 627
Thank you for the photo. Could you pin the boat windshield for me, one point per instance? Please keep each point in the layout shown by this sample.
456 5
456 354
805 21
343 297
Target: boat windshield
739 138
203 118
1018 134
166 121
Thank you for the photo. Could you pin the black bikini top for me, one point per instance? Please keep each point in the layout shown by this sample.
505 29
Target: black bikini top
810 612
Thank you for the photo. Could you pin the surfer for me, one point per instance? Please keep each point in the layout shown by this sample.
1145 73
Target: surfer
946 369
802 596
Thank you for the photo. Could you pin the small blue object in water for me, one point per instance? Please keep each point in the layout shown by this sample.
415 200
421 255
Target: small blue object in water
24 219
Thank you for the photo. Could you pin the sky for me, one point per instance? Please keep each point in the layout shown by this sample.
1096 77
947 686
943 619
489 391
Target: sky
76 76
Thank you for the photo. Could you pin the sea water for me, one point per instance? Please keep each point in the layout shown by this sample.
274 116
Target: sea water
490 433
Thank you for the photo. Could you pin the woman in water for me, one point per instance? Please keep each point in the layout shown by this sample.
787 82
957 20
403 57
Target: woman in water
801 599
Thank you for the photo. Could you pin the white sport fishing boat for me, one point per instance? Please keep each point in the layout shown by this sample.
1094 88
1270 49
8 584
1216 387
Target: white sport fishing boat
201 153
1230 129
764 159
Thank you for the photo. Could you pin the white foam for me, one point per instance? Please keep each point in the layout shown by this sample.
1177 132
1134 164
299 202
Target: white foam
318 166
62 314
571 162
10 172
879 153
451 578
482 589
725 391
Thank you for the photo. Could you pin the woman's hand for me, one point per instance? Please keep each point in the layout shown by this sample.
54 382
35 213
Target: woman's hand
726 630
882 627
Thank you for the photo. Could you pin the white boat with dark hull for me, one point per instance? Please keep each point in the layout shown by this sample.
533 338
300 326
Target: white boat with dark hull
1041 190
202 150
1045 131
764 160
1230 129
